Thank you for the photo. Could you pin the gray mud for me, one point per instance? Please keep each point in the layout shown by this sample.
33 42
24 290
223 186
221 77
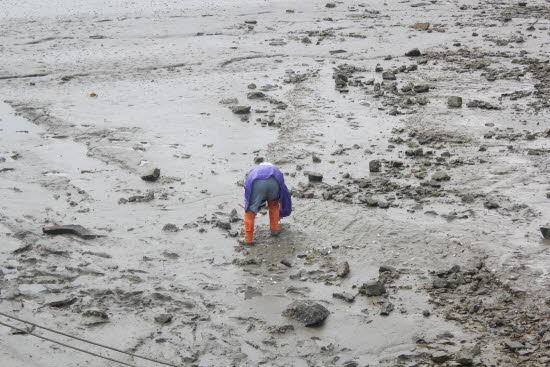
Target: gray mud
97 94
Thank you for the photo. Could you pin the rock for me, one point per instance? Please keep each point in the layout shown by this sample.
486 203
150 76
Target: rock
373 289
250 21
223 224
342 269
441 176
151 176
440 357
344 296
308 313
545 230
315 159
330 5
315 177
70 229
170 227
454 102
258 160
62 303
383 204
255 95
513 345
164 318
386 308
306 40
286 263
234 216
240 110
439 283
388 75
414 53
149 196
96 313
426 313
465 356
421 26
422 88
491 204
251 86
374 166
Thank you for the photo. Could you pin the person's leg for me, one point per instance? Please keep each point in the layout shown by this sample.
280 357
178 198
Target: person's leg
249 217
273 206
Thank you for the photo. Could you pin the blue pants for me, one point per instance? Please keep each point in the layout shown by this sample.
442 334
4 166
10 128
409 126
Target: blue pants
262 191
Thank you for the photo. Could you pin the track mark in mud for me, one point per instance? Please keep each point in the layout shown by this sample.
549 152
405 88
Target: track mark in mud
242 58
47 39
23 76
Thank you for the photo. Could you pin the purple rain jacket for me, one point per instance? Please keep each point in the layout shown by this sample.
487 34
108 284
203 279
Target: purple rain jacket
263 172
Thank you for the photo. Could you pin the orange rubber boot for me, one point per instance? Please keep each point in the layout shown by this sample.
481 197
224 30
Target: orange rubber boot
249 225
273 206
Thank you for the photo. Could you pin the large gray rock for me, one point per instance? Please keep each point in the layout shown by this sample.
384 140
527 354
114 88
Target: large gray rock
388 75
342 269
454 102
374 166
414 53
308 313
241 110
441 176
545 230
375 288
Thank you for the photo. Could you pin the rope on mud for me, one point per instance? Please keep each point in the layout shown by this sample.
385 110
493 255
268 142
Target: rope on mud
66 345
80 339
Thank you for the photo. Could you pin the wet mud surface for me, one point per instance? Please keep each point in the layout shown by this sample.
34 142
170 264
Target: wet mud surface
421 245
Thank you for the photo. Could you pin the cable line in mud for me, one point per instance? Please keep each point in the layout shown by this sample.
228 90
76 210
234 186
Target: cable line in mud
80 339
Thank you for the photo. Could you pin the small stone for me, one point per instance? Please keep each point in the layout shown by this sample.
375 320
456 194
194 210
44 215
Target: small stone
223 225
258 160
342 269
164 318
330 5
545 230
414 53
316 159
441 176
439 283
491 204
96 313
426 313
315 177
251 22
308 313
513 345
373 289
62 303
440 357
151 176
170 227
251 86
388 75
344 296
421 26
374 166
240 110
454 102
386 308
255 95
422 88
286 263
465 356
